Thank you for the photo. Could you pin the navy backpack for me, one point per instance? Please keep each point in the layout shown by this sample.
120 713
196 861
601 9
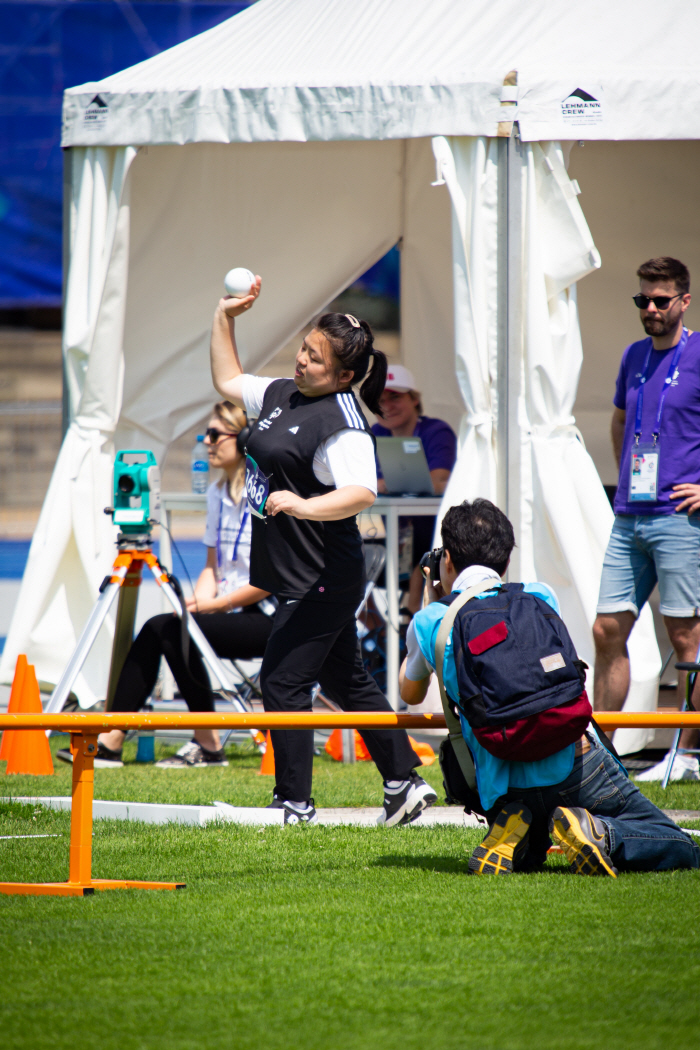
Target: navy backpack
521 684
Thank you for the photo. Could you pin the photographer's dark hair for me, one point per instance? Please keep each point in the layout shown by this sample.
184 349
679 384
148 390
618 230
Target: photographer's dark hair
352 343
478 533
666 269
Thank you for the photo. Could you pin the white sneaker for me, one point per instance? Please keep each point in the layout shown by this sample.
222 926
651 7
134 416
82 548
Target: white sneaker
685 767
193 756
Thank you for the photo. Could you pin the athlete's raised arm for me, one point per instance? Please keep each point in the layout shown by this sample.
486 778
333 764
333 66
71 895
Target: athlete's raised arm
226 371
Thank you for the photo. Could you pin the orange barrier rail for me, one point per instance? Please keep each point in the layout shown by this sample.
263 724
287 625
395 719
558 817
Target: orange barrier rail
84 729
102 723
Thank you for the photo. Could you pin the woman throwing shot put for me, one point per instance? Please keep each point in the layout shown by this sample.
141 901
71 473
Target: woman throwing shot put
310 470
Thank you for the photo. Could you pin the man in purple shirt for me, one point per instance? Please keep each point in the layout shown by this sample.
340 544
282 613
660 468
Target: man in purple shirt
656 533
402 416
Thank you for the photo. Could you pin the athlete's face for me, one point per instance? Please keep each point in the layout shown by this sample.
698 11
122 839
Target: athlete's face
317 370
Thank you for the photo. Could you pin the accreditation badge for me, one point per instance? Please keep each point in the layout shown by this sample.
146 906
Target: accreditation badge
644 474
257 487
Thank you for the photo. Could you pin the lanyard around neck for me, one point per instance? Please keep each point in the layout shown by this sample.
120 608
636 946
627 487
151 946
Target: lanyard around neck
667 382
237 541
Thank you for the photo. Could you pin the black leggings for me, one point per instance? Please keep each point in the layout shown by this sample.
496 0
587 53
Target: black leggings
317 642
238 636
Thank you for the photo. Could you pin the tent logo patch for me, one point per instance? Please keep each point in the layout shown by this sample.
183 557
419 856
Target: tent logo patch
96 112
581 109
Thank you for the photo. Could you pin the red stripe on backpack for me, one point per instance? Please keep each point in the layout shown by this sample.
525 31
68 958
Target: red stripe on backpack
487 639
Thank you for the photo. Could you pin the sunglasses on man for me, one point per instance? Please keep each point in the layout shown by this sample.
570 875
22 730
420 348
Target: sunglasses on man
661 302
213 434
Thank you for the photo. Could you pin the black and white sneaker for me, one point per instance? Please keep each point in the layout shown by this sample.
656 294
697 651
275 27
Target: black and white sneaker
405 800
295 812
104 759
193 756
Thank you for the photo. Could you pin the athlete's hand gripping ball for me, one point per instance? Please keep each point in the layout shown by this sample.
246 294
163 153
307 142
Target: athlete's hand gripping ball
234 305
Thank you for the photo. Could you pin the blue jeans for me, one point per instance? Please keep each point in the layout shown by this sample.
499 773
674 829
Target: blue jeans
642 838
644 548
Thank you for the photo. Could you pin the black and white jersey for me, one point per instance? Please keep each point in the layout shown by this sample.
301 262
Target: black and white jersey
318 560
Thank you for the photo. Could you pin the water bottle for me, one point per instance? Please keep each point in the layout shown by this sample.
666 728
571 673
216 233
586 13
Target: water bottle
200 466
146 750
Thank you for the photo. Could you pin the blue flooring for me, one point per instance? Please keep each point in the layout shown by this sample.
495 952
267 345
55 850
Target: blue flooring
14 553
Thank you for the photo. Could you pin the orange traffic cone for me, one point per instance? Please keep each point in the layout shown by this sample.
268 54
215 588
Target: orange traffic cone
424 752
267 766
13 706
29 748
334 747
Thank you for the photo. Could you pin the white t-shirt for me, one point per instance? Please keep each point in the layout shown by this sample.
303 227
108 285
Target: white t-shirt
228 531
345 458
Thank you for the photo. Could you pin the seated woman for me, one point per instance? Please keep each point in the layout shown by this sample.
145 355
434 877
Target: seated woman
221 591
402 416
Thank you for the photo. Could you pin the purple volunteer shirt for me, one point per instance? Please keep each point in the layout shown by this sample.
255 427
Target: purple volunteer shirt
679 442
439 441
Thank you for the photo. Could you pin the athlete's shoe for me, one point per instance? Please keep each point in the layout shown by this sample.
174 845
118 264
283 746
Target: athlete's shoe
295 812
584 840
405 800
506 840
685 767
104 759
193 756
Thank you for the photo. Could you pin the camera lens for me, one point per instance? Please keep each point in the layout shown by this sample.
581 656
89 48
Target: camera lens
126 483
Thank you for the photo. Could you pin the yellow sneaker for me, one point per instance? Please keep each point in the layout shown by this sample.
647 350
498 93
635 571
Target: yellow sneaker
584 840
507 837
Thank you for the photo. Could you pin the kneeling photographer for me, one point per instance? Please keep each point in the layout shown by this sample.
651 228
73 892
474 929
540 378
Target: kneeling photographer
531 770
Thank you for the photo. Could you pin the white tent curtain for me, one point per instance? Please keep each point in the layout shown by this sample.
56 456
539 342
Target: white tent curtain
73 543
564 515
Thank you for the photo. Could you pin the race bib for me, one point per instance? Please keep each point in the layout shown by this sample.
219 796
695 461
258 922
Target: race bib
644 474
257 487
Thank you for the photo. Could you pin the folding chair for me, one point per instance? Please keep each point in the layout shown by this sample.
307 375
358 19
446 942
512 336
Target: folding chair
692 669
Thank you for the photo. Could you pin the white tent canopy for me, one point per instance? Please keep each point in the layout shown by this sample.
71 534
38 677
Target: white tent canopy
393 69
301 140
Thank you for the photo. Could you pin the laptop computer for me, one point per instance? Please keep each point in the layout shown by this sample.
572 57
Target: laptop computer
404 466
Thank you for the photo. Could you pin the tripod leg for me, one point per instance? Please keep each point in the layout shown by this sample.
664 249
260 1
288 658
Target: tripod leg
124 626
85 642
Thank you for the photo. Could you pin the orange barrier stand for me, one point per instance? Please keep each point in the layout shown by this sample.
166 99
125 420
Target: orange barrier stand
84 729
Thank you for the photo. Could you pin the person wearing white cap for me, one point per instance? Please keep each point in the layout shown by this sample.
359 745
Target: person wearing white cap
401 413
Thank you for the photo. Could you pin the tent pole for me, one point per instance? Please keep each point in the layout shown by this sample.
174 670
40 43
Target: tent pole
509 333
67 201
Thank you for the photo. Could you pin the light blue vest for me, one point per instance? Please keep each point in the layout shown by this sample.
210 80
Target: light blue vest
494 776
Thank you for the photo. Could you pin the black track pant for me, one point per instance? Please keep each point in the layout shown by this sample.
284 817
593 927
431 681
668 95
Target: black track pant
238 636
317 642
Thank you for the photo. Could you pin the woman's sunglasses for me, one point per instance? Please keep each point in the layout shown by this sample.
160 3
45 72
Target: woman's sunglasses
213 434
661 302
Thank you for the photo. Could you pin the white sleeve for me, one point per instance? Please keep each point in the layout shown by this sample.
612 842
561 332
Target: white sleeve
347 458
213 505
417 667
253 391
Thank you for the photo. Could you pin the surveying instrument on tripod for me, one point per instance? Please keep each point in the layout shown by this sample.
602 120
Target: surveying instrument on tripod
136 510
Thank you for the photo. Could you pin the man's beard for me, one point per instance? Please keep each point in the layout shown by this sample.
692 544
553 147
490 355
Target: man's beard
657 326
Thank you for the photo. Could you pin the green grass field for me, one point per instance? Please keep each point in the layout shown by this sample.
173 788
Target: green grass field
331 937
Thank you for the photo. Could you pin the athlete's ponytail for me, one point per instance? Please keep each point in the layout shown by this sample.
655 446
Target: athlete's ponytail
352 343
